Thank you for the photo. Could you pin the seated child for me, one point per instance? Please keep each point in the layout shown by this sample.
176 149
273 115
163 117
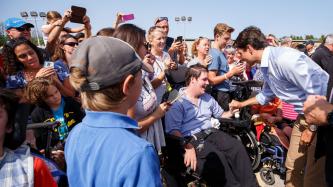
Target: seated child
271 114
51 106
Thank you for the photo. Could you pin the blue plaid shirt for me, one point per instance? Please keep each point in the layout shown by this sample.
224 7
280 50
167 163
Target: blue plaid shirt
16 167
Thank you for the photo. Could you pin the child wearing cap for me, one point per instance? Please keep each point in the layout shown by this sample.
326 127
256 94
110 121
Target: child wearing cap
104 149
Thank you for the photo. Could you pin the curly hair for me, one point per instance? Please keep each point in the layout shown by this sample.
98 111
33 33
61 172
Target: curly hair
36 90
11 63
195 44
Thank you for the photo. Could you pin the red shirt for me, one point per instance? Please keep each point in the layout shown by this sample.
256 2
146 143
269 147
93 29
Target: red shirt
42 174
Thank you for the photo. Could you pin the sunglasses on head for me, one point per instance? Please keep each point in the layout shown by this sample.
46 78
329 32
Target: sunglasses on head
72 44
21 29
161 19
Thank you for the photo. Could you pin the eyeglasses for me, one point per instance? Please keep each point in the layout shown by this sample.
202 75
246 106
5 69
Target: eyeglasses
21 29
72 44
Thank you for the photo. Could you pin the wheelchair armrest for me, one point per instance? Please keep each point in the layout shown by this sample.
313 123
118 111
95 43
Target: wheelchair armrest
249 83
182 141
238 123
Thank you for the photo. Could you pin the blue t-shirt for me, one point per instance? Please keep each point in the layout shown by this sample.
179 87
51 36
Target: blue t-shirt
59 116
219 64
104 150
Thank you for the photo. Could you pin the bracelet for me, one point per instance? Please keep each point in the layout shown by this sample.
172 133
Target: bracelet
225 76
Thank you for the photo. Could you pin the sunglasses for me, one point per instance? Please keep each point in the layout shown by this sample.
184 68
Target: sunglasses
161 19
21 29
72 44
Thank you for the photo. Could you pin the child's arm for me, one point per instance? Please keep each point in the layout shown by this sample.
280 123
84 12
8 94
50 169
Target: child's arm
48 28
87 27
54 34
75 30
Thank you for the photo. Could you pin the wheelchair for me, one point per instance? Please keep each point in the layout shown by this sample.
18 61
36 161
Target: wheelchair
174 173
59 176
242 127
273 156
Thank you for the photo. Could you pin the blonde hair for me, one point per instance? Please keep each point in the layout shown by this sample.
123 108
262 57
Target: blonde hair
101 100
221 28
152 30
52 16
196 42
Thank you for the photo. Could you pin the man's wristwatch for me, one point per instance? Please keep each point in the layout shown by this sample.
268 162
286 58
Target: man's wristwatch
330 119
313 128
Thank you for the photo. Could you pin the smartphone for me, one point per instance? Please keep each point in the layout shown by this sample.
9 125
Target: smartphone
174 95
77 14
48 64
127 17
179 39
148 46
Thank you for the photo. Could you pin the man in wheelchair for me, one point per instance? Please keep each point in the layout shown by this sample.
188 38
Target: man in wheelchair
190 116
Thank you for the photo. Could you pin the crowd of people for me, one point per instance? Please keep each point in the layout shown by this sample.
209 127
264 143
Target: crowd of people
110 96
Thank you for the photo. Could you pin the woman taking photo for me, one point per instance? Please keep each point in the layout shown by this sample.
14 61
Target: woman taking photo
24 62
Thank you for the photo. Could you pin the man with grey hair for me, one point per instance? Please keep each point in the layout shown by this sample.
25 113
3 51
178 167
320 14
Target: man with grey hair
286 41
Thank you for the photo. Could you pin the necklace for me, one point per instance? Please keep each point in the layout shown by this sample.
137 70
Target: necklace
29 75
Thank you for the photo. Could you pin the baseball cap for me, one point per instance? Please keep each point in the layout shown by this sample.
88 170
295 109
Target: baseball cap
15 23
105 61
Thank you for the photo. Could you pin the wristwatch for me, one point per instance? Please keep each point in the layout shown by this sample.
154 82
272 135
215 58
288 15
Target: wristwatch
330 119
313 128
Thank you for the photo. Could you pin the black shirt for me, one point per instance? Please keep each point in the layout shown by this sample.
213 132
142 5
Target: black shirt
73 114
324 58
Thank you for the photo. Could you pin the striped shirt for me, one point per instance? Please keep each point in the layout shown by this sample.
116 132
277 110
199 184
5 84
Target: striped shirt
288 111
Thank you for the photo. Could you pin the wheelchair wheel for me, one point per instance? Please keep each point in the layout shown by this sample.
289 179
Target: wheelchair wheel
267 175
252 147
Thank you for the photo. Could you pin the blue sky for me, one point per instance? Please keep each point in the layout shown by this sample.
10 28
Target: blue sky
280 17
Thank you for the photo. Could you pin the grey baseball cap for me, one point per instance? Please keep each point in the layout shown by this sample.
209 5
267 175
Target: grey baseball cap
105 61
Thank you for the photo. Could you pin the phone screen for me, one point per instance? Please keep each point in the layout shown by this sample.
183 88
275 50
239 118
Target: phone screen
127 17
48 64
77 14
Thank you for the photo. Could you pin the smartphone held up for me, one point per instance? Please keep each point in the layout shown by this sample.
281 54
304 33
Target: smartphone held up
127 17
77 14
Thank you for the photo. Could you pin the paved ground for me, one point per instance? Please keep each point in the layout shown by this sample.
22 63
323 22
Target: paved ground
278 181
